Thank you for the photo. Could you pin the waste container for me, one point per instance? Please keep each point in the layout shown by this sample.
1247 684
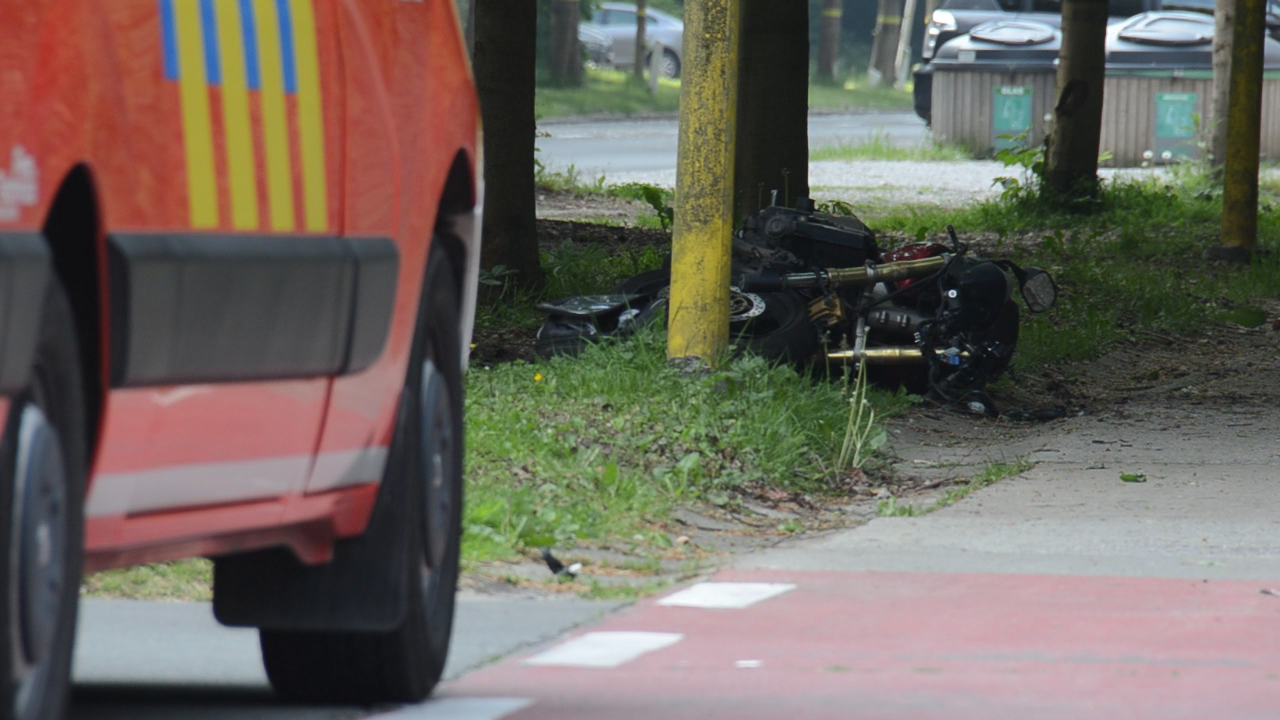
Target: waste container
1157 96
993 87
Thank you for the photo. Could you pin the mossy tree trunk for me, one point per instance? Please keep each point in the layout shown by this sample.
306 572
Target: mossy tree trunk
1244 130
638 68
1071 160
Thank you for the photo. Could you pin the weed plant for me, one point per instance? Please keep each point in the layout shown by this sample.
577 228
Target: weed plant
599 448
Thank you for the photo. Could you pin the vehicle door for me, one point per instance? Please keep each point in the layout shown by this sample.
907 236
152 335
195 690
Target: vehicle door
379 43
231 300
620 25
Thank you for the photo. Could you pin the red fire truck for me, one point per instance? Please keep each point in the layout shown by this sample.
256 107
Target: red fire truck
238 259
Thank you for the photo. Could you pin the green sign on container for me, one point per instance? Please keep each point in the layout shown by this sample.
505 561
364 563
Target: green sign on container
1175 125
1010 115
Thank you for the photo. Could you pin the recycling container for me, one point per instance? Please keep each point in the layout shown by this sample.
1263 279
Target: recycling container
993 87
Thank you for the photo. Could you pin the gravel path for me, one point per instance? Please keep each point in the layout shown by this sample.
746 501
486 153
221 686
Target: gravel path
885 183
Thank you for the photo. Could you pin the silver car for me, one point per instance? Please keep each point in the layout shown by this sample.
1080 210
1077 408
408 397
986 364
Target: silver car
618 21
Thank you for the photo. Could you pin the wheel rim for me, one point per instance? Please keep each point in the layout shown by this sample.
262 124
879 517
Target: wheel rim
38 560
670 67
437 445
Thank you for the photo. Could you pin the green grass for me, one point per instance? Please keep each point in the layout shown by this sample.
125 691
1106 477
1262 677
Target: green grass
618 93
994 473
185 580
607 92
881 148
855 95
600 448
1129 264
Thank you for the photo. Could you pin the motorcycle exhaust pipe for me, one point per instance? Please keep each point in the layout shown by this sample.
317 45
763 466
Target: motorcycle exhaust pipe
892 355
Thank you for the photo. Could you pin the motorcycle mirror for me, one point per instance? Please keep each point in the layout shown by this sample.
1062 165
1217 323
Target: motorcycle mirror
1038 290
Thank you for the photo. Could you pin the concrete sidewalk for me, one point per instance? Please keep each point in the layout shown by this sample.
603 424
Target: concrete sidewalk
1064 592
1208 509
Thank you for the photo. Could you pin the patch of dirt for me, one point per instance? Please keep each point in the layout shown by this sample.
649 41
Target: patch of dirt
556 205
1229 367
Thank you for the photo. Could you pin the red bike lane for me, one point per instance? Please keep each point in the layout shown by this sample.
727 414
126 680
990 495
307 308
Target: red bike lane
765 644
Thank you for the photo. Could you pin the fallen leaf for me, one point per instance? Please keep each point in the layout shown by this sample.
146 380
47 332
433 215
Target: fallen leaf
1133 477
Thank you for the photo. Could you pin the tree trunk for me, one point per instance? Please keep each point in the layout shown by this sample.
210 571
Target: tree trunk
641 6
829 40
772 125
1224 15
505 56
884 49
1244 127
1071 161
566 58
902 58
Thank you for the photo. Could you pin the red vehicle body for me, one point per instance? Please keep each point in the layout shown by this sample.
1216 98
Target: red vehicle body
260 219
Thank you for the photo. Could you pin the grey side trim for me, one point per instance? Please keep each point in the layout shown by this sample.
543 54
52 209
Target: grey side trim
188 308
25 267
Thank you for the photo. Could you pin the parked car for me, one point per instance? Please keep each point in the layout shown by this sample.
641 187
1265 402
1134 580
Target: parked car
597 46
238 258
618 21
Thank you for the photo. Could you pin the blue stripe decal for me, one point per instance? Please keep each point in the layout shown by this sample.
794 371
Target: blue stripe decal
250 32
212 61
170 32
286 48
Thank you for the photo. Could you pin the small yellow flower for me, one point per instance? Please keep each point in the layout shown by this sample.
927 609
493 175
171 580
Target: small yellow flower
473 346
537 377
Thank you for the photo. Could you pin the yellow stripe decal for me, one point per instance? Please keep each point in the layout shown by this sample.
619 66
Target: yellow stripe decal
197 126
275 124
242 170
310 117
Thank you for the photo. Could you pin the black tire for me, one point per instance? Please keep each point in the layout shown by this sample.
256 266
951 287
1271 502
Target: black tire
405 664
42 481
783 332
670 66
646 284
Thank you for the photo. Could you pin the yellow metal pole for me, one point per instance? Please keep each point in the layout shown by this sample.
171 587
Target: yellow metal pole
703 233
1244 127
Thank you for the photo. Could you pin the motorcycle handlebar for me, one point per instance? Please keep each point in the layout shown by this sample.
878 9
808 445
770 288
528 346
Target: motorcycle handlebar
839 277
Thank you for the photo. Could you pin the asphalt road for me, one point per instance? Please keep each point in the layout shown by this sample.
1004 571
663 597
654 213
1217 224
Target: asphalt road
1065 593
161 661
618 149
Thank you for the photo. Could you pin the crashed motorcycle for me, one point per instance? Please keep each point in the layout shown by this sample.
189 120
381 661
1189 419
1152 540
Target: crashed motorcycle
813 288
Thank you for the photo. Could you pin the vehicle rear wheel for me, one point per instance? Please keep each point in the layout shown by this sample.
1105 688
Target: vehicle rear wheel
42 481
402 665
670 66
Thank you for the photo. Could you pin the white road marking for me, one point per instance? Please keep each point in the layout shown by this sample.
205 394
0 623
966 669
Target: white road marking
604 649
458 709
725 595
749 664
